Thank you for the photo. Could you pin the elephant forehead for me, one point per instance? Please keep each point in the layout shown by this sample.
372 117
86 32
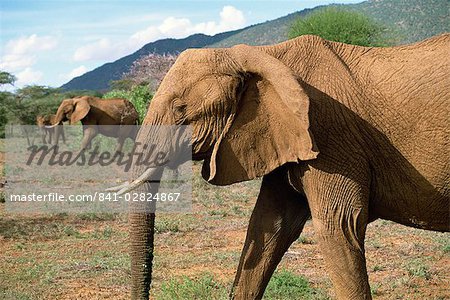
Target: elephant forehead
202 55
198 61
191 69
184 75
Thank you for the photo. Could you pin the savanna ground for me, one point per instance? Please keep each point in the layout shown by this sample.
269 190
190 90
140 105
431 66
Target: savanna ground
85 256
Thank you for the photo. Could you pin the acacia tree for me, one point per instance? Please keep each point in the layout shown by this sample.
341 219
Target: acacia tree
150 70
339 25
7 78
144 77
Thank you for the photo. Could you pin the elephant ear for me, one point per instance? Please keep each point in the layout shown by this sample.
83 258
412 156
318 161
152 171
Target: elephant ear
269 125
81 109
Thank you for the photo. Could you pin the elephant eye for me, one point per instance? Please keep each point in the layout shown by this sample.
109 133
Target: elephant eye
179 111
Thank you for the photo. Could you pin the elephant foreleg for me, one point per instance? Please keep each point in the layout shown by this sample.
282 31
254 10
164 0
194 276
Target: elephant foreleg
59 132
63 136
50 136
89 133
339 208
277 220
44 137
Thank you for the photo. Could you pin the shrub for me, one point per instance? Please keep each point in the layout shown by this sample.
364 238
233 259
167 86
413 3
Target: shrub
286 285
339 25
203 288
149 70
139 95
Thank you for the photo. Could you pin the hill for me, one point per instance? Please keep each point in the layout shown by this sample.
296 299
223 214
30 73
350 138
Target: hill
411 20
99 78
415 20
269 32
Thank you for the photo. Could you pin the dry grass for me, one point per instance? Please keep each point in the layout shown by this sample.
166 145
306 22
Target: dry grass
86 256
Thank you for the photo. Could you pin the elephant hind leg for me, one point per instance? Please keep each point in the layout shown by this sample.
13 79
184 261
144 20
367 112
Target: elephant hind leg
277 220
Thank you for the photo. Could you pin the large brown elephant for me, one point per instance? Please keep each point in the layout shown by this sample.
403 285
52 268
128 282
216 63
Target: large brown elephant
94 112
342 133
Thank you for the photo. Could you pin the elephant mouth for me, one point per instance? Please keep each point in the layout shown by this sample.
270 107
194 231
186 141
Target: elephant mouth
201 155
130 186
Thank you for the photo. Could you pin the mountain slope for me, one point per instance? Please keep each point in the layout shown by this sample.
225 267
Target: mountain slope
99 78
415 20
269 32
411 20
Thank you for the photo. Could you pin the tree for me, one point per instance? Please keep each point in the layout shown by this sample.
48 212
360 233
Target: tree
149 70
339 25
36 92
139 95
7 78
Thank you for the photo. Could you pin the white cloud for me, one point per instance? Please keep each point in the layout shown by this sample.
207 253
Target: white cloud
175 27
28 76
77 72
14 62
103 49
230 19
32 43
19 55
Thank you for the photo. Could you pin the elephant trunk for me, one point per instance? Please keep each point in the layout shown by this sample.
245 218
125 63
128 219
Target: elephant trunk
152 140
57 119
142 215
142 231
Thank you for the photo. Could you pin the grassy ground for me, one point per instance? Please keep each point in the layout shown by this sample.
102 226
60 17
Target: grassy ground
86 256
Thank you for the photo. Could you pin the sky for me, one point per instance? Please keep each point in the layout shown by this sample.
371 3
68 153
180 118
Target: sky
50 42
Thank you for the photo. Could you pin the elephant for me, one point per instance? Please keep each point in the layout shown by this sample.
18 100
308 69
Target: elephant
94 112
339 133
49 134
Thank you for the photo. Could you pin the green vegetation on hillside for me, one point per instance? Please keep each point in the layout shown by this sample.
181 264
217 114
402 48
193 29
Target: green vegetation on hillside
408 21
412 20
340 25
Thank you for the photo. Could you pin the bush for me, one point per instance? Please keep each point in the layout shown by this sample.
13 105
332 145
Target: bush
26 103
139 95
203 288
339 25
3 121
22 106
148 70
286 285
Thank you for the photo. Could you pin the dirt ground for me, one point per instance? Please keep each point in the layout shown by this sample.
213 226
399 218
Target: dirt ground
86 256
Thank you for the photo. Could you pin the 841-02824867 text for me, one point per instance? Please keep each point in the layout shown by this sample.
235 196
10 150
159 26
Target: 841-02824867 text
144 197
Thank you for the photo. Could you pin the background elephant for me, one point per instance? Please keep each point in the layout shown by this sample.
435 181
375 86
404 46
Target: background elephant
342 133
49 134
93 111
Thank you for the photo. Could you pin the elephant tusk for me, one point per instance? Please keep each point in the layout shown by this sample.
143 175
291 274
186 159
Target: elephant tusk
52 126
117 188
128 187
